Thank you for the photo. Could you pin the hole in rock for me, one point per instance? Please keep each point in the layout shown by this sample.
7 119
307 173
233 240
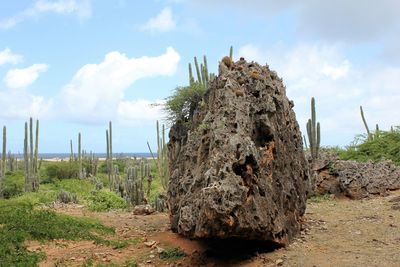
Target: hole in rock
262 134
255 93
246 170
235 250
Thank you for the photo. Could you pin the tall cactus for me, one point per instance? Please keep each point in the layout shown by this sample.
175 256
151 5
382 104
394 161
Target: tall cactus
28 186
3 154
162 157
135 176
109 159
369 135
313 132
71 155
203 76
231 53
3 162
31 157
80 156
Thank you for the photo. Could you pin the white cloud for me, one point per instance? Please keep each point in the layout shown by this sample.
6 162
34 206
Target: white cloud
138 111
21 78
20 104
96 92
339 88
163 22
7 56
336 72
80 8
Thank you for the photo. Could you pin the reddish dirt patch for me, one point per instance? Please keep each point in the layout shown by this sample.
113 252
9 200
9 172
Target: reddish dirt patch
337 232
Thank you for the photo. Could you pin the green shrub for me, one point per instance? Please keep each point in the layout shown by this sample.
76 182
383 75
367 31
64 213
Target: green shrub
62 170
172 253
105 201
181 105
384 147
20 222
13 184
120 162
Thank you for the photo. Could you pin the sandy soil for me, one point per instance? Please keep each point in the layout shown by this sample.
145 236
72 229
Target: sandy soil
337 232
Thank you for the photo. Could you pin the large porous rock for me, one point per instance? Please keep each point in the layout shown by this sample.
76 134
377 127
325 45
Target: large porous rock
238 167
354 179
358 180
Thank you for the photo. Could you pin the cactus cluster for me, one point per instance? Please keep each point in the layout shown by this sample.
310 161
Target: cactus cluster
12 162
135 176
67 197
31 157
162 156
160 203
313 132
201 72
87 162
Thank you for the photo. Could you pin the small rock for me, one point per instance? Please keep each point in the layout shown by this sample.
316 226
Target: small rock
396 206
150 243
148 261
72 258
143 210
279 262
160 250
152 256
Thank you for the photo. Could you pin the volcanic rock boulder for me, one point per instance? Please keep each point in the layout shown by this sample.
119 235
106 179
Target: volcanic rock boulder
353 179
238 170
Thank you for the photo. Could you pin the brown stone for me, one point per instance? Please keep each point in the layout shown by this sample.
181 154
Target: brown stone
239 169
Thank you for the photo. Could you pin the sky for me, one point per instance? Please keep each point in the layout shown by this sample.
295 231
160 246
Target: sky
77 64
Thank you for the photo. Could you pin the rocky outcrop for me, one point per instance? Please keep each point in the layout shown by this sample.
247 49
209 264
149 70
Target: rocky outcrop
354 179
238 170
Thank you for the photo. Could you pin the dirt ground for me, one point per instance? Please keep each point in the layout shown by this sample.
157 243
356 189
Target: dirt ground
337 232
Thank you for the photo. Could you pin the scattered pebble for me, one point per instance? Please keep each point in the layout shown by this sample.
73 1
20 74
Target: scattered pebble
150 243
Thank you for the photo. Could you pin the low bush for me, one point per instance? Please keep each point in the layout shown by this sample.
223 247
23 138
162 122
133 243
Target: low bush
13 184
384 147
172 253
105 201
62 170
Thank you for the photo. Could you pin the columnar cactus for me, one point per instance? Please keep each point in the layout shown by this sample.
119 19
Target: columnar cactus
71 155
313 132
3 154
109 160
134 186
201 72
134 182
80 156
31 157
162 157
369 135
3 162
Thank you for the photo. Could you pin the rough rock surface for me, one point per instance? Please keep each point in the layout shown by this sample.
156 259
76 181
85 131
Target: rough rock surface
354 179
239 170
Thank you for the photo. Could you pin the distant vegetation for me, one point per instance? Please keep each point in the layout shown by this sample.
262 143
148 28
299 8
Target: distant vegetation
384 146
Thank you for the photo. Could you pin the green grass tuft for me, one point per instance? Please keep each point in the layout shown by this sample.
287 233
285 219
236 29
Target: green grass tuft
172 254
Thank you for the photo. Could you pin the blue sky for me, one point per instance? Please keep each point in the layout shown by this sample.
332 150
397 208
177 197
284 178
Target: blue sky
76 64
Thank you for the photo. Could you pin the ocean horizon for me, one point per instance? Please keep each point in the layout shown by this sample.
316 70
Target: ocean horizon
99 155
